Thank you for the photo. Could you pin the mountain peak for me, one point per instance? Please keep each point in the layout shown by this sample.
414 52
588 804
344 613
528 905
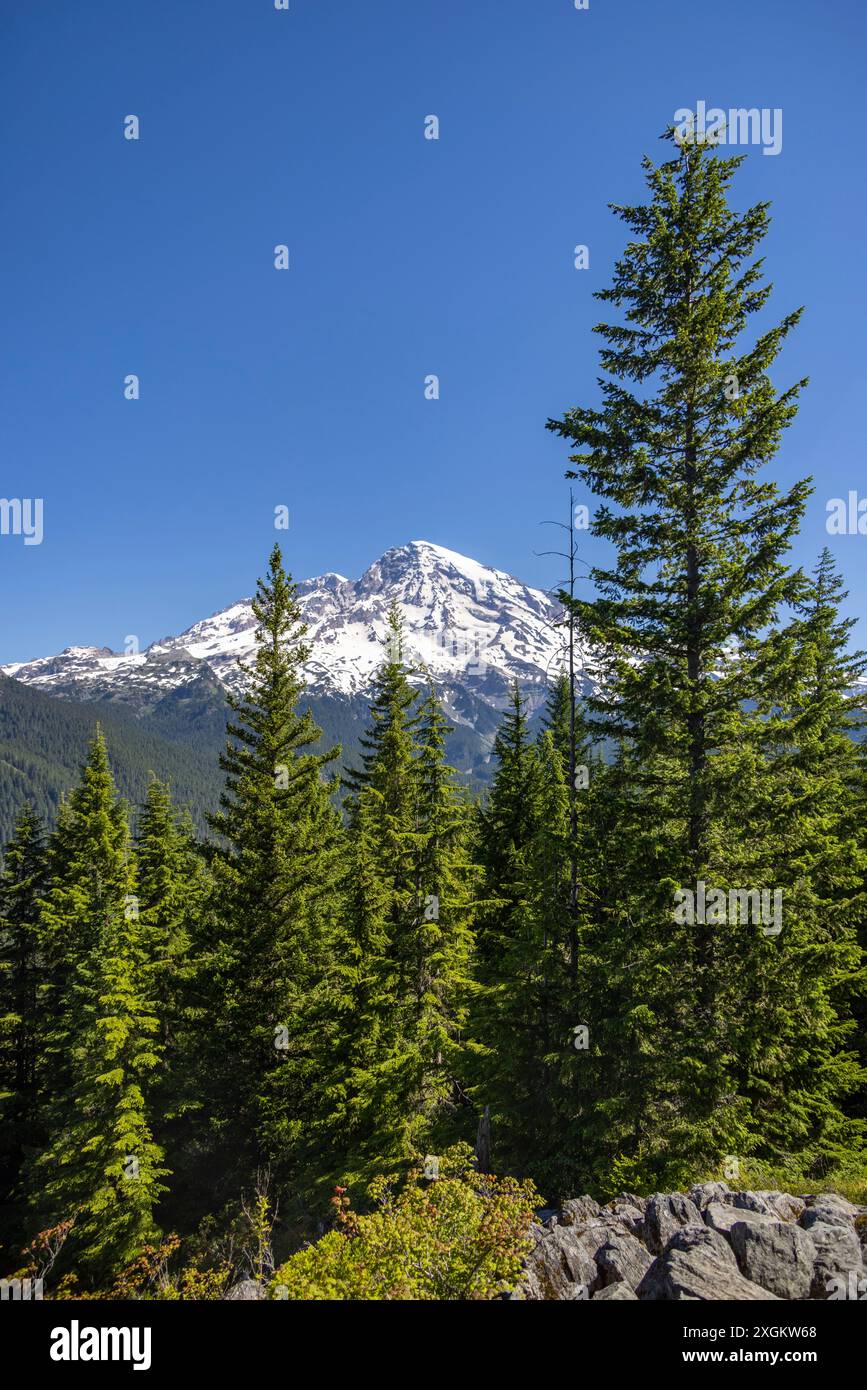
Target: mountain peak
471 628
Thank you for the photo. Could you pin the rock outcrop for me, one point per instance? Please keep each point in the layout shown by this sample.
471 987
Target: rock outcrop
246 1291
710 1243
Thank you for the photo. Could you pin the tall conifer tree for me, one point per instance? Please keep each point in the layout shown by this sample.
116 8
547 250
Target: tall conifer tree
689 416
805 830
173 889
279 832
100 1165
409 907
23 881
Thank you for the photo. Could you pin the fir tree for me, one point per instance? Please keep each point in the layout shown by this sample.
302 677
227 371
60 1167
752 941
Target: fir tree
558 719
100 1166
409 899
806 834
357 1027
23 881
507 824
388 750
513 967
279 832
438 950
527 1007
173 889
689 416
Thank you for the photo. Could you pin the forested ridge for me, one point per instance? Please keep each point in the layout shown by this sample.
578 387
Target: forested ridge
43 741
621 973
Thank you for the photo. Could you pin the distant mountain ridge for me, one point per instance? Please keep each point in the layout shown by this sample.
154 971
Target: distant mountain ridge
471 628
44 741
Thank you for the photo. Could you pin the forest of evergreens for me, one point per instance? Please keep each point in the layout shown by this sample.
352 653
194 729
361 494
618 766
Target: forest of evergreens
257 1024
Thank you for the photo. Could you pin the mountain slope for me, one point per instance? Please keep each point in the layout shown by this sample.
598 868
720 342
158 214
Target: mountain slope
469 628
43 742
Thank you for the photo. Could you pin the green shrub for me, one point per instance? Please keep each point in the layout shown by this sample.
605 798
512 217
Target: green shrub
460 1236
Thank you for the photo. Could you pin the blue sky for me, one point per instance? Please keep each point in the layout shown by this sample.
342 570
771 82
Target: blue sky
407 257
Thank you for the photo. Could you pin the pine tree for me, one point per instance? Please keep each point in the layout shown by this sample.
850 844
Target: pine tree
689 416
357 1026
23 881
100 1165
366 1120
388 748
279 832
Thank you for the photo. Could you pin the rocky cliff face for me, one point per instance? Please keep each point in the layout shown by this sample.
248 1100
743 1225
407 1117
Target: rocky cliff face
710 1243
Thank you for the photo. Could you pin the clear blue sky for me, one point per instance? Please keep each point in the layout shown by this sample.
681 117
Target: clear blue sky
408 257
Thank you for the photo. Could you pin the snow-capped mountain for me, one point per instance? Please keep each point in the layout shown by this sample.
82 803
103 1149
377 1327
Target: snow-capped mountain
469 628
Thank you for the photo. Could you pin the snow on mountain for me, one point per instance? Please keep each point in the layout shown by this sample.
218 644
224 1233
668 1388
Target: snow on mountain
472 628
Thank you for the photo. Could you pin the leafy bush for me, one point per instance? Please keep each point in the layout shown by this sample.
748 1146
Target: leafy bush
460 1236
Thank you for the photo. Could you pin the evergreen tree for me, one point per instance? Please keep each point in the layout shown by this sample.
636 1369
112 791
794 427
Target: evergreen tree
409 898
558 719
379 891
273 878
100 1165
507 824
526 1010
514 961
438 951
388 747
689 416
173 887
23 881
357 1028
804 815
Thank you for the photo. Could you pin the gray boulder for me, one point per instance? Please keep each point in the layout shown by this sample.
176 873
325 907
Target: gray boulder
721 1217
631 1199
830 1208
665 1215
612 1291
712 1243
559 1261
775 1254
246 1291
698 1263
706 1192
782 1204
623 1260
838 1253
753 1201
628 1213
579 1211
